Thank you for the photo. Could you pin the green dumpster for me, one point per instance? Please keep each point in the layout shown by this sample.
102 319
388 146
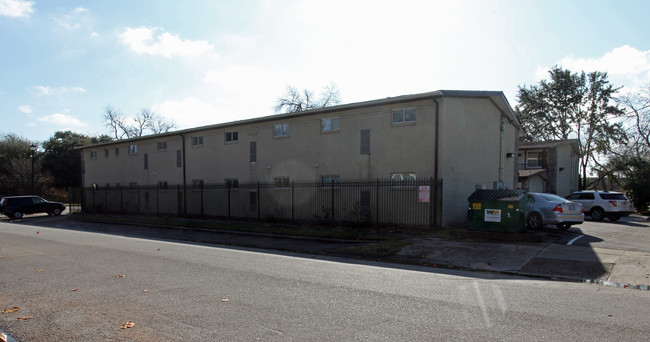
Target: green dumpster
497 210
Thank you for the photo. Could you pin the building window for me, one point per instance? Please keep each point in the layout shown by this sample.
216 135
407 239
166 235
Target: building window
133 149
146 161
330 125
232 136
162 185
402 179
117 152
534 159
133 186
232 183
365 141
197 141
93 154
107 187
281 182
329 181
253 152
405 115
161 146
197 184
106 152
146 199
281 130
179 158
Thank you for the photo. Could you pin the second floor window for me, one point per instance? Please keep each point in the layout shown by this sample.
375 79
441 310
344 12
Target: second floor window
534 159
146 161
93 154
133 149
162 145
330 125
197 141
162 185
281 130
232 136
405 115
197 184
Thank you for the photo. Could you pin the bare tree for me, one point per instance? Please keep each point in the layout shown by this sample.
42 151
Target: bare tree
637 110
145 122
296 101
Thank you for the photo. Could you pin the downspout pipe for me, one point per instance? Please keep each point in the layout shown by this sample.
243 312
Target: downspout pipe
436 199
502 149
184 179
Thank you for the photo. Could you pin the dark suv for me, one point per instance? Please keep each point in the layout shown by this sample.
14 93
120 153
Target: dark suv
16 206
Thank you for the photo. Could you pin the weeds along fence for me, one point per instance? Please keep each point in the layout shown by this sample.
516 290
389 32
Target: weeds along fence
413 203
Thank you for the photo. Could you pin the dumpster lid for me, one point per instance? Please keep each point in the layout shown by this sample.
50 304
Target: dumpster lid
487 195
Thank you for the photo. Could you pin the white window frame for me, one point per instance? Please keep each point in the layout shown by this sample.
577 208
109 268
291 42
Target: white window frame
93 154
539 159
133 149
327 125
282 182
161 146
231 137
283 129
399 116
197 141
399 179
327 180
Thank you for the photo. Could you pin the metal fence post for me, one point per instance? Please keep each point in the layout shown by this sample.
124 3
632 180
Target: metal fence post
258 201
202 199
293 202
229 198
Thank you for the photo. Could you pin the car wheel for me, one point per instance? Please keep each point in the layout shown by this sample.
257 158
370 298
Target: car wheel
17 215
597 214
534 221
563 226
56 211
614 217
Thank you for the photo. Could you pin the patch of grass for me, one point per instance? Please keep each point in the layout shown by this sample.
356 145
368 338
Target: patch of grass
233 226
377 250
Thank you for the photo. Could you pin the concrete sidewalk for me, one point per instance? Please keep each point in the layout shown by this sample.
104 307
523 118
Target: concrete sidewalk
594 265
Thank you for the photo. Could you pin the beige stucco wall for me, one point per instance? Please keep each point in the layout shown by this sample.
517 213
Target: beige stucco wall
306 154
470 143
567 178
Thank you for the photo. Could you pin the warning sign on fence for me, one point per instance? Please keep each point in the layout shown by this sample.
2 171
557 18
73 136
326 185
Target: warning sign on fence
424 194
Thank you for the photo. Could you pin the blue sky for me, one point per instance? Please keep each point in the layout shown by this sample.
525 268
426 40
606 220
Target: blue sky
206 62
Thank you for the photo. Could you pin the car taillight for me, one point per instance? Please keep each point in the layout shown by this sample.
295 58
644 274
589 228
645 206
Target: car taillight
558 208
582 210
613 203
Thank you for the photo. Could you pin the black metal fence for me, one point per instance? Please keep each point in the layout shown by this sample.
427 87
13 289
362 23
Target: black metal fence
380 202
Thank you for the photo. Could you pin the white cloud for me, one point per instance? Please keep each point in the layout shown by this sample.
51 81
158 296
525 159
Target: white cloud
60 119
142 41
16 8
50 91
188 112
27 109
625 66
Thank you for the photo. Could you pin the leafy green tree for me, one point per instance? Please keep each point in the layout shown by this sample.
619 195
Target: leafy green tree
16 167
634 173
62 160
573 106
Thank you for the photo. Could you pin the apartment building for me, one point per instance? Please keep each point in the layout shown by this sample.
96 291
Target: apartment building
549 166
465 139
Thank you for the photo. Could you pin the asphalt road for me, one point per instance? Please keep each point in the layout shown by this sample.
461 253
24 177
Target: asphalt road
629 233
82 286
